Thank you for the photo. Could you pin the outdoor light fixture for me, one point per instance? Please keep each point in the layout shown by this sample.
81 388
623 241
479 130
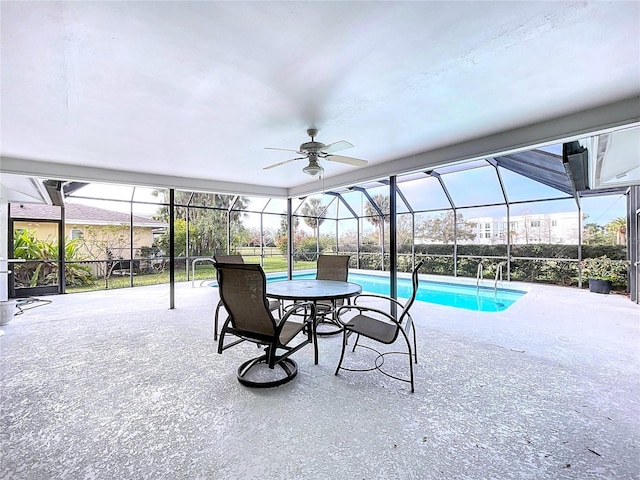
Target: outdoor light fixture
313 168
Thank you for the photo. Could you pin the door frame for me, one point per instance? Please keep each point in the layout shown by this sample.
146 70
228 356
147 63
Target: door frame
45 289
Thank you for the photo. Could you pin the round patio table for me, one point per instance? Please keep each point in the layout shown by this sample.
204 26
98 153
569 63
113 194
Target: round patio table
314 290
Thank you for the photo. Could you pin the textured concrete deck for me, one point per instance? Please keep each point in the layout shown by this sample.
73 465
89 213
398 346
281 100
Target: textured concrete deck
114 385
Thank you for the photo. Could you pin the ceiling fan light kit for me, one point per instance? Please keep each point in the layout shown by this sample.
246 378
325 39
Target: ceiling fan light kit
313 151
313 168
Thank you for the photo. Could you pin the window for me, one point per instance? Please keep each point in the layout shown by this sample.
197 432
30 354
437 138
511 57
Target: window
554 223
76 233
535 223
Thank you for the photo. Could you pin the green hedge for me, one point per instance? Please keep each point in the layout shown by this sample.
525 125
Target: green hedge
526 269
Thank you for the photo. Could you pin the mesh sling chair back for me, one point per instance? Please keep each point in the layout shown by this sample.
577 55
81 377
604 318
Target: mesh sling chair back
331 267
243 293
382 326
273 304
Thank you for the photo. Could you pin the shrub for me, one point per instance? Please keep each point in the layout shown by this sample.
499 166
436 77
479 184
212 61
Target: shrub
604 268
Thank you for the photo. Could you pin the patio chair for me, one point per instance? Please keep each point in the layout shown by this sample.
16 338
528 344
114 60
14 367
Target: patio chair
331 267
382 326
273 304
243 293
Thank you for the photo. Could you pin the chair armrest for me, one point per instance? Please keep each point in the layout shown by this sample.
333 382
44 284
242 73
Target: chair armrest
363 310
296 307
380 297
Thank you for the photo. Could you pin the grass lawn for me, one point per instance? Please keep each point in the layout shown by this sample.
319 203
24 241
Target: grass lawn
203 271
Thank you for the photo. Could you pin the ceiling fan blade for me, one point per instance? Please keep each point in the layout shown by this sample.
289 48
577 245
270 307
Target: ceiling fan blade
337 146
283 149
283 163
356 162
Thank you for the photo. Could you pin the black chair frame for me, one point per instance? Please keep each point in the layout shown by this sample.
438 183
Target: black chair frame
275 335
386 329
331 267
273 304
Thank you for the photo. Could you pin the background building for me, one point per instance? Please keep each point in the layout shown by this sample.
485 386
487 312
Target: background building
561 228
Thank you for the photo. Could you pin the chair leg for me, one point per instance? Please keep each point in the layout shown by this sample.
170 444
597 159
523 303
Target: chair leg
314 335
415 344
215 321
410 354
410 365
355 343
344 346
270 355
221 342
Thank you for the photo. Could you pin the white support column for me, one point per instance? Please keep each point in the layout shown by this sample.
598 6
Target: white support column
4 250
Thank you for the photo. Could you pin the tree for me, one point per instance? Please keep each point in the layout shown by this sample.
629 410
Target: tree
617 229
180 236
269 237
593 234
312 210
382 201
442 229
281 235
208 226
404 233
253 237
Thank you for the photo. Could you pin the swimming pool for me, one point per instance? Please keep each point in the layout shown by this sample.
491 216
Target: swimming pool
458 295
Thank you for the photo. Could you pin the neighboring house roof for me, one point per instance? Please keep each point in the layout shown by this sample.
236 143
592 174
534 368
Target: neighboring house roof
80 214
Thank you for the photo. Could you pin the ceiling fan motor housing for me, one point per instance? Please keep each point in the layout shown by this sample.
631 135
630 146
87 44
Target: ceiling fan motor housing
312 147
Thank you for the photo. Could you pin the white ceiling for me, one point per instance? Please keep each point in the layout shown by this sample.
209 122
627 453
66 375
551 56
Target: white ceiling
190 93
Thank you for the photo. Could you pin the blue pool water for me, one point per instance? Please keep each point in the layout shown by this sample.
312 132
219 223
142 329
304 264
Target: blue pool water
469 297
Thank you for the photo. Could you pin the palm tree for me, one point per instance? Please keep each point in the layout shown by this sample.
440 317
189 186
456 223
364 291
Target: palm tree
312 210
382 201
617 228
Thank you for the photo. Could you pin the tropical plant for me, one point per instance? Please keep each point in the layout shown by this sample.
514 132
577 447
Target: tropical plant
41 267
604 268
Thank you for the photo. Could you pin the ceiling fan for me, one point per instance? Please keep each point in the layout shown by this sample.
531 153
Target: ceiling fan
314 151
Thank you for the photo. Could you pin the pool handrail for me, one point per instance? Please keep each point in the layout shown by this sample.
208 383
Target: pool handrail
498 274
193 269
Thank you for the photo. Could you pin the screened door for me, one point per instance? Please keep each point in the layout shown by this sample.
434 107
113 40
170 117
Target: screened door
36 246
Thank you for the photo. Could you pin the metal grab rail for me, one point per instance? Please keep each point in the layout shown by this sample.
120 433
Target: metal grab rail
498 274
479 274
193 268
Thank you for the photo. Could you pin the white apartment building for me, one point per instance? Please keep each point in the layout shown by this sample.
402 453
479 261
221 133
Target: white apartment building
560 228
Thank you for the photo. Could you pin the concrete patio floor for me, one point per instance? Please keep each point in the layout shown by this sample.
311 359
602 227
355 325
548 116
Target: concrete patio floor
114 385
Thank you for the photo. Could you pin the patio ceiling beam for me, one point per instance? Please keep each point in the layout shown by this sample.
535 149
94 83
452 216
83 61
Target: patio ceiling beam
401 195
40 169
438 177
344 202
368 197
493 162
